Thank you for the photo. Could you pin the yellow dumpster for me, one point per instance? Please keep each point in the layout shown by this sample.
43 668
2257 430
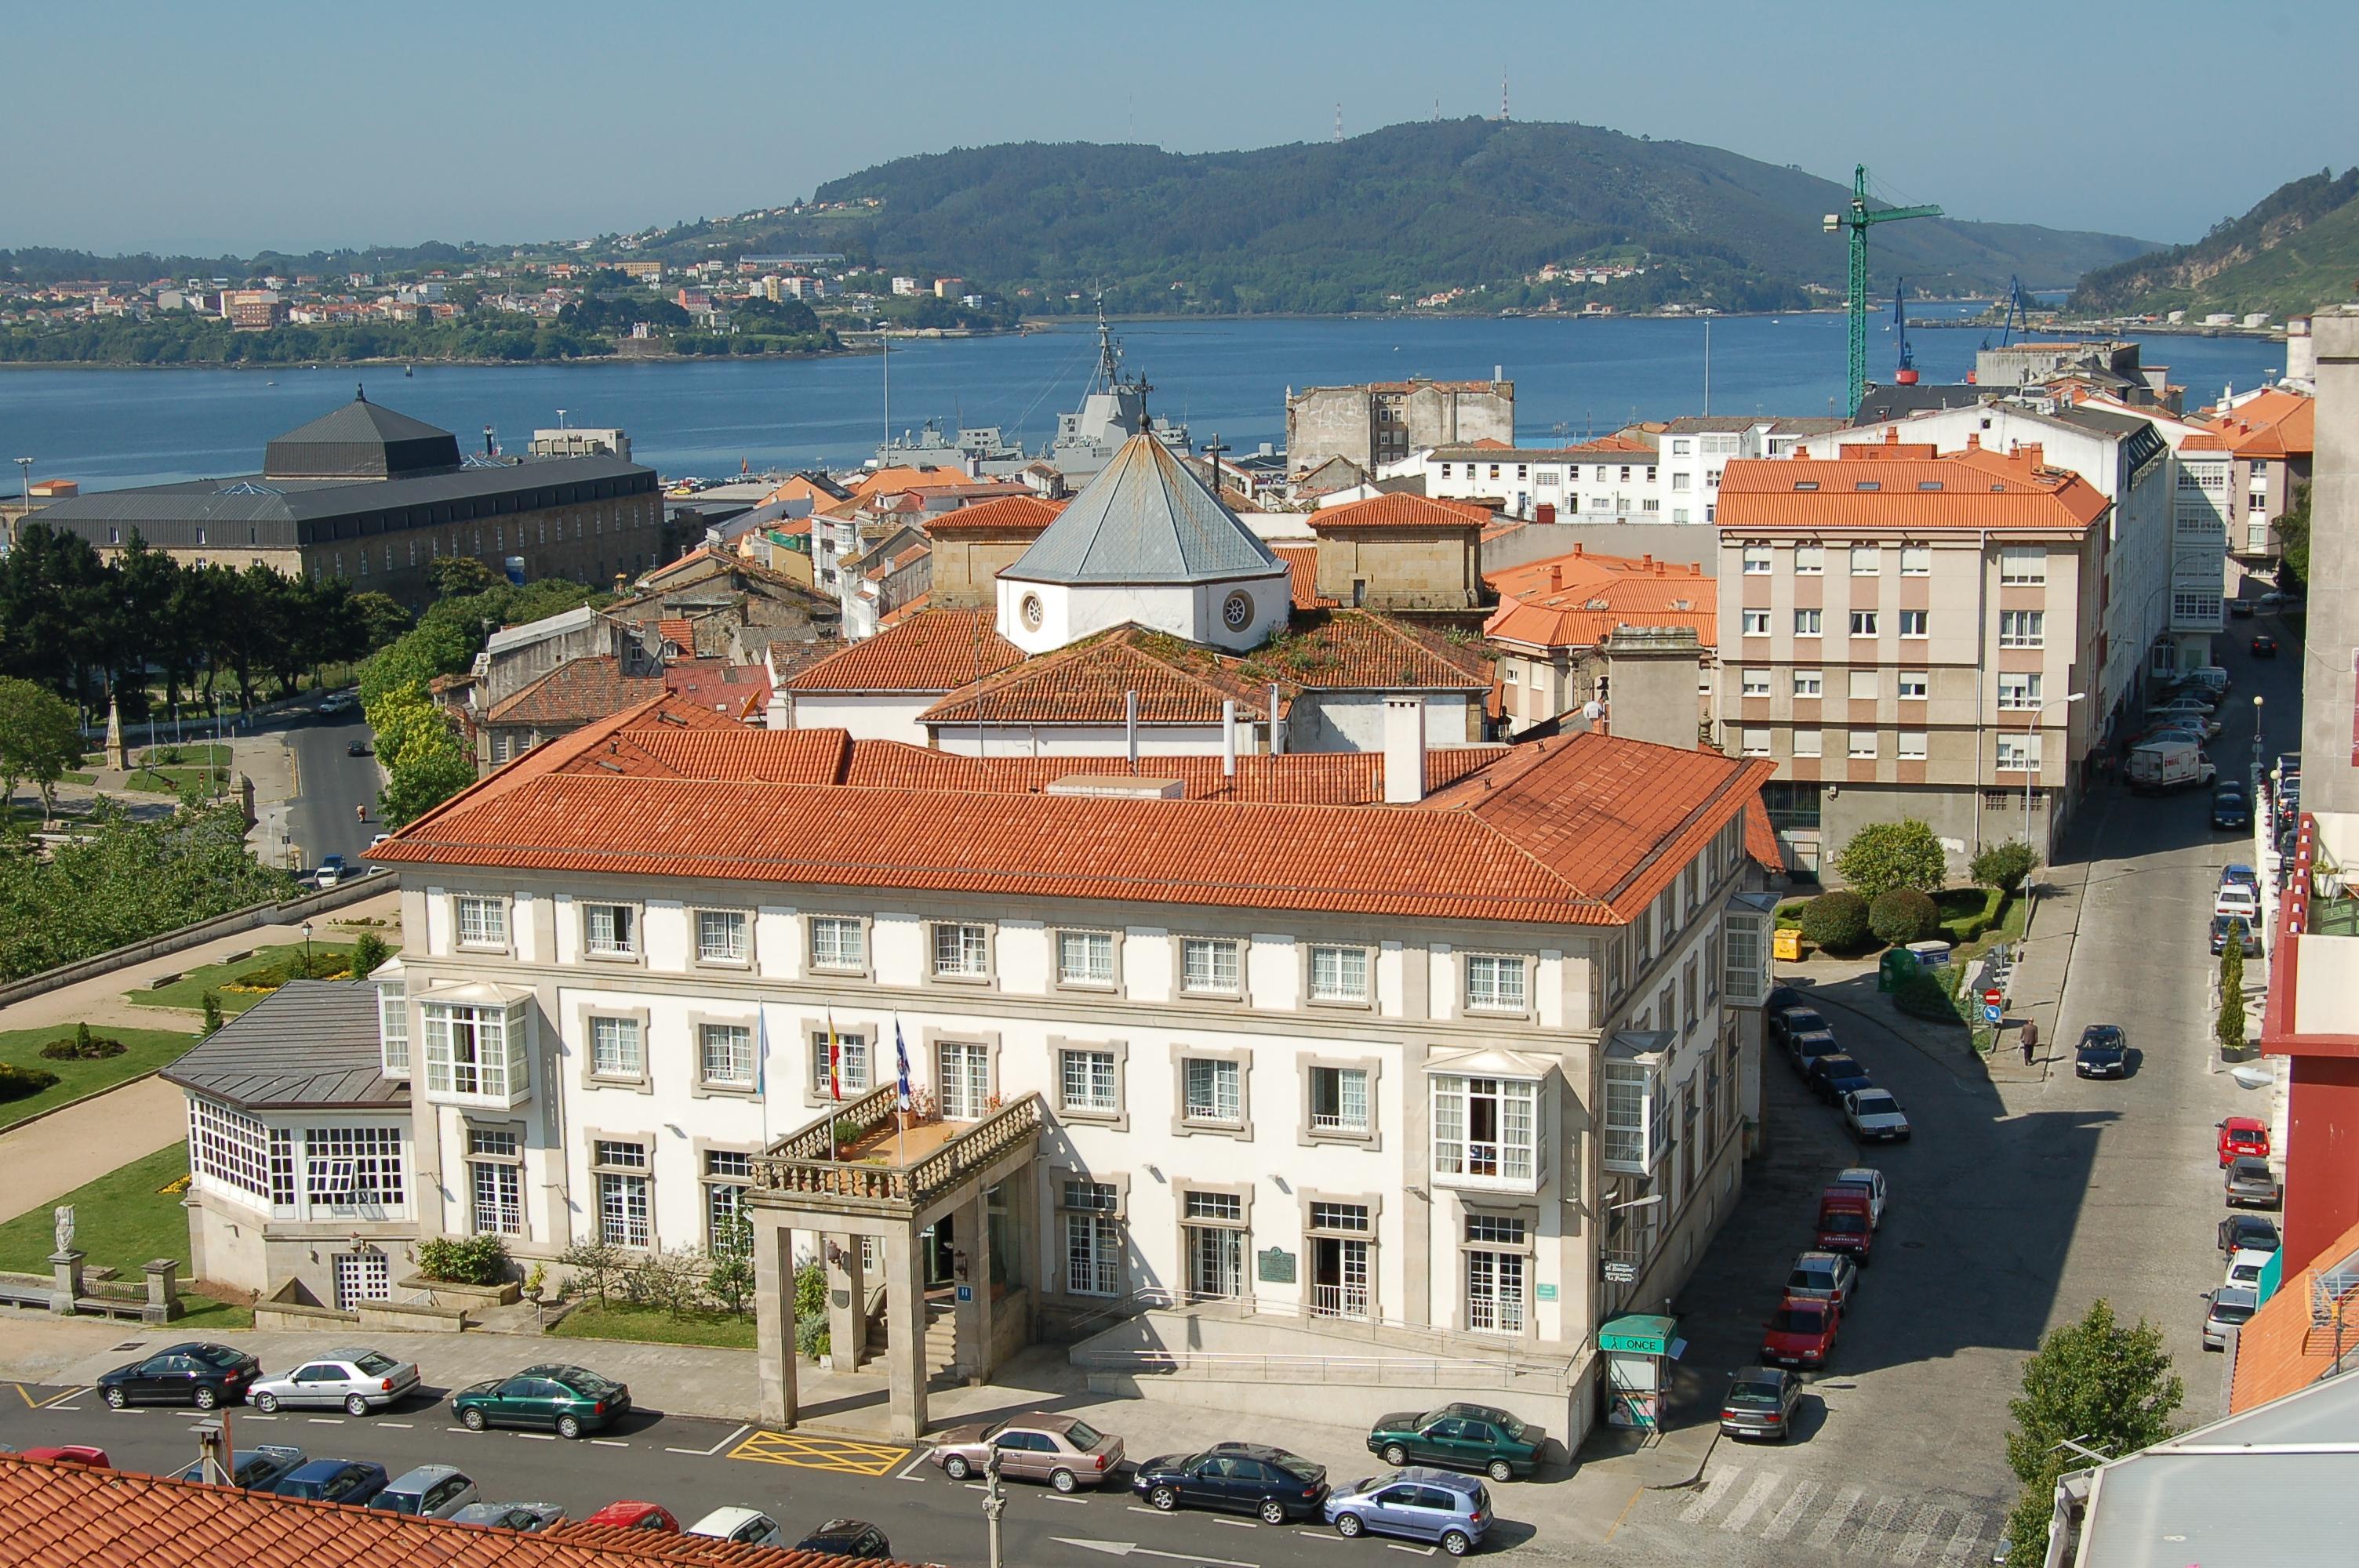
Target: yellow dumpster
1786 946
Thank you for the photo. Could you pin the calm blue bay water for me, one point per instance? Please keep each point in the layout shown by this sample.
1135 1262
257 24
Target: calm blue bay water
110 428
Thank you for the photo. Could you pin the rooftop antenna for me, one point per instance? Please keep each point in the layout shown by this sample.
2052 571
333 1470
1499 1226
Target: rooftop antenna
1502 98
1339 123
561 418
1707 365
1437 110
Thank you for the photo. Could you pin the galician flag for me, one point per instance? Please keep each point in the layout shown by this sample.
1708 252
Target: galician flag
901 1059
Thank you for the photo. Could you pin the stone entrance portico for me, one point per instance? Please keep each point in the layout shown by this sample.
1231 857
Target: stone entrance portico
800 1185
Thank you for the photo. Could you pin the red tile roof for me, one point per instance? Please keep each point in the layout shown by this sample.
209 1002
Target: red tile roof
939 651
1359 650
2277 424
1014 514
1302 575
1399 509
69 1513
2291 1343
1902 486
1088 681
679 631
575 692
740 691
1576 601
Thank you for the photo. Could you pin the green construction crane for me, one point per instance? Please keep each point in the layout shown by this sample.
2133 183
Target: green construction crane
1855 220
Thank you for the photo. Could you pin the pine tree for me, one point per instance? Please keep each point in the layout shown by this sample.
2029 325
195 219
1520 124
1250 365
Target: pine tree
2231 1027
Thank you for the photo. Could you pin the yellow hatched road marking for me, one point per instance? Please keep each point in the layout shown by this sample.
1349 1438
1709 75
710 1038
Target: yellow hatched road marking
810 1451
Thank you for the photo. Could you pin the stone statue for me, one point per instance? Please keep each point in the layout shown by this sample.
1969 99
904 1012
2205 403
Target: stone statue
65 1227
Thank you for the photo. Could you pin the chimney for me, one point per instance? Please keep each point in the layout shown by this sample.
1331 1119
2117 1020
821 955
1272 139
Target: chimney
1576 547
1555 578
1404 751
1545 512
1276 732
1229 738
1892 435
1974 441
1646 562
2033 453
1130 726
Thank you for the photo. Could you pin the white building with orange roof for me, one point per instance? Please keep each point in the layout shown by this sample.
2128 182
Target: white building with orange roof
1555 628
2270 435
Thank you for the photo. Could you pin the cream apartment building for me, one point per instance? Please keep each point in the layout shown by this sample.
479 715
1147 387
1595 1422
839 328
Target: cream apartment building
1902 634
1292 1063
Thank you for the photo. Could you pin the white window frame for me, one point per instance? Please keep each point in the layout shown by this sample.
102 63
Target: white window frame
1753 742
1207 978
1497 983
725 1055
2018 753
1867 560
1212 1091
1347 977
630 1039
853 1062
1863 745
1752 682
2023 628
1466 1105
724 936
393 1025
2019 690
1809 743
1915 685
1095 1071
1809 561
2022 564
1341 1119
1756 622
960 950
1810 623
839 944
480 920
610 930
1090 947
476 1053
1810 683
1916 560
1864 623
1911 746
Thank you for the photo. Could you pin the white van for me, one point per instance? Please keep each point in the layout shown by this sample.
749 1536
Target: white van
2169 764
2211 676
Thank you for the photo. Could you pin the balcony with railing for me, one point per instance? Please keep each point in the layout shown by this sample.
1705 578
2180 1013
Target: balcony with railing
862 1155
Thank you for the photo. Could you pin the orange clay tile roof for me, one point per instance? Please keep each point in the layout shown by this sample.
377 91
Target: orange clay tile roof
2284 1347
1585 830
2277 424
1399 509
1901 486
574 693
939 651
70 1514
740 691
1576 601
1761 838
678 631
917 606
1302 575
1087 683
1014 514
893 480
1359 650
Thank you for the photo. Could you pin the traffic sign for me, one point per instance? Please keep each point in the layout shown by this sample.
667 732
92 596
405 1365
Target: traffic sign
1993 997
1993 1013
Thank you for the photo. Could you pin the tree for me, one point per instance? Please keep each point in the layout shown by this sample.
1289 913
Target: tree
2002 866
597 1265
731 1281
456 576
381 619
1903 915
1835 921
368 953
213 1012
2230 1029
1886 855
2097 1385
41 738
2293 542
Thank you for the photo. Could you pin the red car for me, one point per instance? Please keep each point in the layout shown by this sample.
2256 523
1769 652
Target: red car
2243 1135
636 1515
70 1453
1801 1333
1846 1224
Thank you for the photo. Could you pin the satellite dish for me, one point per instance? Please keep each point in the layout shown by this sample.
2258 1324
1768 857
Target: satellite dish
2252 1077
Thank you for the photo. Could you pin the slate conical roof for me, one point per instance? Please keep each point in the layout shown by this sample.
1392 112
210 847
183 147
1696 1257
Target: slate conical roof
361 440
1145 518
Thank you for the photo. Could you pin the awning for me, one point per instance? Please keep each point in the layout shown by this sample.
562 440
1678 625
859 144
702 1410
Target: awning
1639 1333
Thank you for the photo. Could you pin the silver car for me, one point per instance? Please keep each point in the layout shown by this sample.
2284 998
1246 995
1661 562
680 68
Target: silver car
2249 1183
1450 1510
359 1380
2226 1310
431 1491
529 1518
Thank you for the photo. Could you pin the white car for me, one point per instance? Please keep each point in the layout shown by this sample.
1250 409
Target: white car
2236 899
357 1380
336 702
1874 1115
2244 1268
747 1526
1869 1180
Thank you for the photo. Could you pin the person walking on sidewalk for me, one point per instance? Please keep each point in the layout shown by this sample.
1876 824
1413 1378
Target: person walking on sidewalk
2030 1040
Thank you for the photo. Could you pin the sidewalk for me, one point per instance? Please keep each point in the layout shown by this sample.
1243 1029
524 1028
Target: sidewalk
2043 961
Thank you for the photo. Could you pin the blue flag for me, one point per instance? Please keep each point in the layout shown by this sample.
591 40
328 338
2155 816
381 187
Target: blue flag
761 1050
901 1058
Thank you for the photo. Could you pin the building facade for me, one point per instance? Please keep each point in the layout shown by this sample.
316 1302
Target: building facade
1386 421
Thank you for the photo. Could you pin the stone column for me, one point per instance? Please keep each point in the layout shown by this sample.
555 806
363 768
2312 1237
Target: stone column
847 1317
65 1266
163 1291
773 1317
973 1315
904 1333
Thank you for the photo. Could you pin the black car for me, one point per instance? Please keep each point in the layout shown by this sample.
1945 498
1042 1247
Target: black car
1239 1477
2230 808
1835 1075
259 1468
2265 646
192 1374
1780 999
359 749
2103 1053
2232 928
1783 1026
852 1538
2240 1232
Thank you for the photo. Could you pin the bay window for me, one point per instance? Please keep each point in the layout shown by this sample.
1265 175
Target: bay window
393 1020
476 1052
1486 1132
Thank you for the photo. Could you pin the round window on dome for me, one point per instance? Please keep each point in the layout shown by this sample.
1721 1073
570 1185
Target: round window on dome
1032 611
1238 611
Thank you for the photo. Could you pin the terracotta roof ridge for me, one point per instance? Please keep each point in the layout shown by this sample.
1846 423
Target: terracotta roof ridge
539 760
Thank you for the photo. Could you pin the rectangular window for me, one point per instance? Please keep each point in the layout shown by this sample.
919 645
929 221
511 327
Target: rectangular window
2018 753
1807 742
963 1079
1339 1099
1487 1128
960 951
1912 745
1753 742
1208 965
1809 561
1628 1114
1494 983
1808 683
1085 1080
727 1174
624 1213
1916 560
1754 683
1806 623
1085 958
617 1048
722 936
1339 974
393 1025
609 931
850 1062
1862 622
1862 686
1756 624
495 1193
1867 560
1912 623
838 943
1214 1091
2022 629
483 922
475 1051
1863 743
725 1055
2023 563
230 1147
2019 688
1093 1265
1914 684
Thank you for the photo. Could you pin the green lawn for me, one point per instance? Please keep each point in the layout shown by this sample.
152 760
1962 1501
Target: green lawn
173 781
189 990
148 1049
617 1319
123 1219
199 755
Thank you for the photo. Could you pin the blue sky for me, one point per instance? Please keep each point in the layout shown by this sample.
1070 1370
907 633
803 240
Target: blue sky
138 125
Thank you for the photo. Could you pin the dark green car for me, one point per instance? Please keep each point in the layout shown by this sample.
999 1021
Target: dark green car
568 1400
1463 1437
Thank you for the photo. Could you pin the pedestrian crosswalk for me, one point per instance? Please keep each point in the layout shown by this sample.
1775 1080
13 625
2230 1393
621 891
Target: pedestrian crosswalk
1843 1523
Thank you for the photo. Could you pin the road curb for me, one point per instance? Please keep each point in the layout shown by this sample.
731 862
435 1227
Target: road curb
1697 1475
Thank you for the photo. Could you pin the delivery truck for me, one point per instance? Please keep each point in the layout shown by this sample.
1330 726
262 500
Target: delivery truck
2162 765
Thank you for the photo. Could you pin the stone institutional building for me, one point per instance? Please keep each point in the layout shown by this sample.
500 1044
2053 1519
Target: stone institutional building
376 496
1388 421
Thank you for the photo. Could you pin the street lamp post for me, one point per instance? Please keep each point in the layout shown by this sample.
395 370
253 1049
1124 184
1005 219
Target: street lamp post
24 471
2256 748
307 949
2031 773
995 1502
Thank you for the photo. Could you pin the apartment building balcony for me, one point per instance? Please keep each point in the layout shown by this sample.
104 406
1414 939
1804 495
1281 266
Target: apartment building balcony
884 1169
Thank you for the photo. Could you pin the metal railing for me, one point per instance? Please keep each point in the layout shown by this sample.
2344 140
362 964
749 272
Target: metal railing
1362 1371
803 1163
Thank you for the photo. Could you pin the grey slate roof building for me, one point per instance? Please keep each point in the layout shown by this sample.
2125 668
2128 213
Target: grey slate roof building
361 440
310 1044
1145 518
1898 401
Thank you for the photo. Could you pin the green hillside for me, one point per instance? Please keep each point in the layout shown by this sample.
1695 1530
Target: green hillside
1384 219
2299 248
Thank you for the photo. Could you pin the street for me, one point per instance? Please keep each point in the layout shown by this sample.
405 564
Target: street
331 784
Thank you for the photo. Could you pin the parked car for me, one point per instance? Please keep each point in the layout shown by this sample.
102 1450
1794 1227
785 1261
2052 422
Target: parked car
2248 1233
1062 1450
1760 1402
2263 646
2102 1053
1783 1026
1835 1075
358 1380
1822 1276
2250 1185
2243 1135
2230 807
1782 998
1452 1512
2244 1268
2235 873
257 1470
1868 1180
80 1453
1463 1436
1874 1115
359 749
191 1374
741 1526
2236 899
2227 928
529 1518
636 1515
1240 1477
1844 1225
430 1491
2241 609
852 1538
1808 1048
334 1481
568 1401
2227 1308
1800 1333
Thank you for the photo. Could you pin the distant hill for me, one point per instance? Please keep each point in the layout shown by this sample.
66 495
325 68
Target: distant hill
2298 248
1387 217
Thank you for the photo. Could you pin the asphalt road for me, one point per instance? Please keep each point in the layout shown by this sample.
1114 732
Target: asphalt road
329 784
2016 1206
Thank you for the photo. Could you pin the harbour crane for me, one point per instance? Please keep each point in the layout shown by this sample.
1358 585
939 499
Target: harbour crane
1907 375
1853 220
